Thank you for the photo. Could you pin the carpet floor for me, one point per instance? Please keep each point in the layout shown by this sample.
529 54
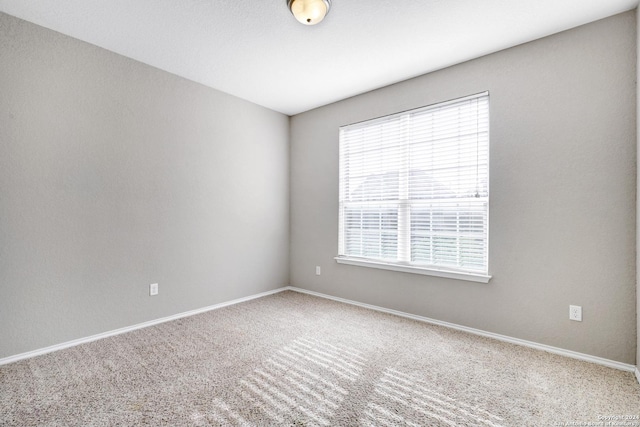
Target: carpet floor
297 360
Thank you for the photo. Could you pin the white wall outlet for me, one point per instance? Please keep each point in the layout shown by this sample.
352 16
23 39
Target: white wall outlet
575 313
317 270
153 289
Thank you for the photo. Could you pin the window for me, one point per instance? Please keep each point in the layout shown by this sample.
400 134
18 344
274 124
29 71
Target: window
414 190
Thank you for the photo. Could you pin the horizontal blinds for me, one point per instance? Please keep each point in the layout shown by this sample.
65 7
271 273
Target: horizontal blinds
414 186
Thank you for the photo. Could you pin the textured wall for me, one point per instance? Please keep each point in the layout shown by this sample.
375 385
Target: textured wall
562 209
115 175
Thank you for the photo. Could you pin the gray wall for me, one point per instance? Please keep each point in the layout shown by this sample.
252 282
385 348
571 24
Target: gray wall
115 175
638 190
562 209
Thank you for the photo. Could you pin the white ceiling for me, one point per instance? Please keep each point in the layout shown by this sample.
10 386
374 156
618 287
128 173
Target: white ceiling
256 50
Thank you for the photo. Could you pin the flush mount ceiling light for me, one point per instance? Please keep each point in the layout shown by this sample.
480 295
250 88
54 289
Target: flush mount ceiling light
309 12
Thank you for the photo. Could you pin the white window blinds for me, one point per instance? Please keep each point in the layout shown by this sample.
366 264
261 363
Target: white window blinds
414 187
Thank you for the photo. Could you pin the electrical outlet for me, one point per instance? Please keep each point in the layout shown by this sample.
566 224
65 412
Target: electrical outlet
153 289
575 313
317 270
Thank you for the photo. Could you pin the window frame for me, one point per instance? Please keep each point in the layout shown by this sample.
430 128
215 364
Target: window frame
403 262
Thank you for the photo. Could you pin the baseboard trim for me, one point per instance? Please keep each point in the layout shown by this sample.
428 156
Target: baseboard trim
126 329
556 350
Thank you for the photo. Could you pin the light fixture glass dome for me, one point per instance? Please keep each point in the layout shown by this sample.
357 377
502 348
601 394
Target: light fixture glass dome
309 12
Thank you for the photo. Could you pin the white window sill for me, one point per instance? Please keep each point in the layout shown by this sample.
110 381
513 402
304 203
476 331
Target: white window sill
472 277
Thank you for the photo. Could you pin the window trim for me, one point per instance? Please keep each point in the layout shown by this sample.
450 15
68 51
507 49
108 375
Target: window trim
400 264
449 274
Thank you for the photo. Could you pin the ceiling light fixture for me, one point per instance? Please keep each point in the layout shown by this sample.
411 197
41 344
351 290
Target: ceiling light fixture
309 12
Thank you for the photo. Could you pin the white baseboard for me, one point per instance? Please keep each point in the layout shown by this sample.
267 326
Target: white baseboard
568 353
79 341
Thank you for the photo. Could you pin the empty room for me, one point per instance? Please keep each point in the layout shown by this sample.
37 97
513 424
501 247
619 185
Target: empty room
319 213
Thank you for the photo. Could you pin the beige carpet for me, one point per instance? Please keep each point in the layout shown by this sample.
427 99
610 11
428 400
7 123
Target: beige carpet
294 359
